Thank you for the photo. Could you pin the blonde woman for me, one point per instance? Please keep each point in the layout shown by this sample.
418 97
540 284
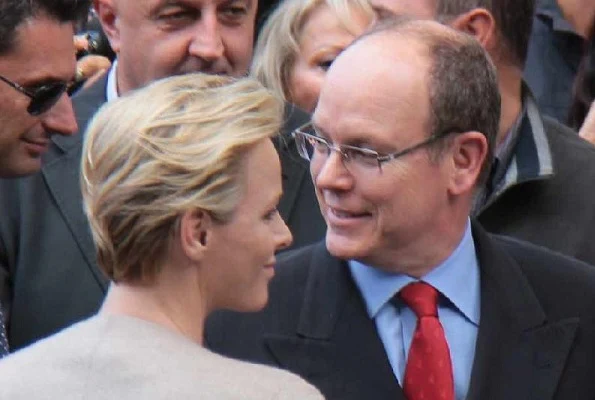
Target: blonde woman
301 39
180 183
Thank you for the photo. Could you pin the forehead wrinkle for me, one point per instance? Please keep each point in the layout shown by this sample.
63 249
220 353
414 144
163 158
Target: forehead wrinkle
375 65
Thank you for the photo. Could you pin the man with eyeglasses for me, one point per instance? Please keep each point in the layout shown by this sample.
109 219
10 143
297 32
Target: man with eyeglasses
37 60
542 183
60 283
407 298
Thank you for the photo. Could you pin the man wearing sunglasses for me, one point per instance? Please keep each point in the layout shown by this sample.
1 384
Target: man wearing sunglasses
36 63
407 298
37 60
60 283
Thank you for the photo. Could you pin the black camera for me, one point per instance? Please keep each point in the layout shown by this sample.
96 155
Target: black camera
98 44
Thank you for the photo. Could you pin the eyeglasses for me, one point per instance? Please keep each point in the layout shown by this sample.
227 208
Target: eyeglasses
42 97
312 147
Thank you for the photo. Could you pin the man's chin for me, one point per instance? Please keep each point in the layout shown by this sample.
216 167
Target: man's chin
345 248
24 167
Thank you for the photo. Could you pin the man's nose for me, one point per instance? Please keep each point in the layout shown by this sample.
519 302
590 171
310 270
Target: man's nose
207 42
331 173
60 118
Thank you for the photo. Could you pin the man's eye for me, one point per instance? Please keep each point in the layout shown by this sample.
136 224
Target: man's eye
177 16
361 155
235 12
318 145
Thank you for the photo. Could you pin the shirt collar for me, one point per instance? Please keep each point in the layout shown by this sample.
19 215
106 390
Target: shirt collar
457 278
530 158
505 150
551 10
111 88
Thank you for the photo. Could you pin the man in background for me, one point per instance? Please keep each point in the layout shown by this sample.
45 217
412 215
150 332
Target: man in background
37 60
560 28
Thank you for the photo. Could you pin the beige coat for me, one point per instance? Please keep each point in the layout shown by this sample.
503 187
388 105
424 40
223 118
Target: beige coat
118 357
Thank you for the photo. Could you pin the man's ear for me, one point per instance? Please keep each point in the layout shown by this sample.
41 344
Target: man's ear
108 16
195 229
479 23
469 150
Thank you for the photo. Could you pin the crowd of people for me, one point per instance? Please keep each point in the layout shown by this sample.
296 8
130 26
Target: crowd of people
297 199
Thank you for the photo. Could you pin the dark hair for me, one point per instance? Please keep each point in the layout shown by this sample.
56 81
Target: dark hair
514 20
14 12
584 84
463 84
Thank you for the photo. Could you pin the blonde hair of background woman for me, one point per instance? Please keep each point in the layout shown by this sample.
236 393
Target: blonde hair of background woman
173 146
279 40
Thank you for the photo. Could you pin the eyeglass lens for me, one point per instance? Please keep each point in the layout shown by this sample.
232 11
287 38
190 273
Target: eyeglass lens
45 97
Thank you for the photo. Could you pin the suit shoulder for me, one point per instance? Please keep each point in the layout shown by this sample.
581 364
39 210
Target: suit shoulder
296 263
562 135
301 255
548 270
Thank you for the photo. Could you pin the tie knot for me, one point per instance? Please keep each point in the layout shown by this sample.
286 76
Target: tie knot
421 298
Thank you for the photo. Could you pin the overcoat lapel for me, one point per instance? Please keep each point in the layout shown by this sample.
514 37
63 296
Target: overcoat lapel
336 346
62 169
519 353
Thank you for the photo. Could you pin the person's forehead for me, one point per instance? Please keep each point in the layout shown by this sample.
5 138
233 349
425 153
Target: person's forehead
43 50
152 5
378 79
379 51
416 8
384 71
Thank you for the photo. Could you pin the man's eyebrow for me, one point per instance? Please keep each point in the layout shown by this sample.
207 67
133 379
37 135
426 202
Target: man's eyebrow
249 3
318 130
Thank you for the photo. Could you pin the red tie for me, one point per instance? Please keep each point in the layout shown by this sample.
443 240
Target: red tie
428 375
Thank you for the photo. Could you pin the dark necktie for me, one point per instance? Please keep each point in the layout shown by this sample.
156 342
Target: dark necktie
428 374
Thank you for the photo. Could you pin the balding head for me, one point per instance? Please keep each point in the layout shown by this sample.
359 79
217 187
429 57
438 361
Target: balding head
452 70
401 137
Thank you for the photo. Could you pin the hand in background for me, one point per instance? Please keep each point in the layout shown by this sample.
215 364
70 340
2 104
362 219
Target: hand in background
91 66
587 130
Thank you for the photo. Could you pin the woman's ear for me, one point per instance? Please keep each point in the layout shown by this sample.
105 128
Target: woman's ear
108 16
195 229
469 152
479 23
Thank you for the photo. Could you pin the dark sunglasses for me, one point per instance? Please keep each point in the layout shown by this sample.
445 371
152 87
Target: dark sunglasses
43 97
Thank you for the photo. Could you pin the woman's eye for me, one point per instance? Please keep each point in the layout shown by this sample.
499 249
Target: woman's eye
325 65
271 214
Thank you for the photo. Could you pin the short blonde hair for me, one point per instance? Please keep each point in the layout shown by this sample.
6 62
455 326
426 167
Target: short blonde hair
278 43
173 146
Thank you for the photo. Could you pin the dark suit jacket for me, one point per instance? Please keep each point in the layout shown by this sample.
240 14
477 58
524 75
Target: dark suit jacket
558 211
536 338
50 278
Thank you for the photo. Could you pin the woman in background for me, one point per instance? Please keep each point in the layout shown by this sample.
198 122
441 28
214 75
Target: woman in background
180 183
301 39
